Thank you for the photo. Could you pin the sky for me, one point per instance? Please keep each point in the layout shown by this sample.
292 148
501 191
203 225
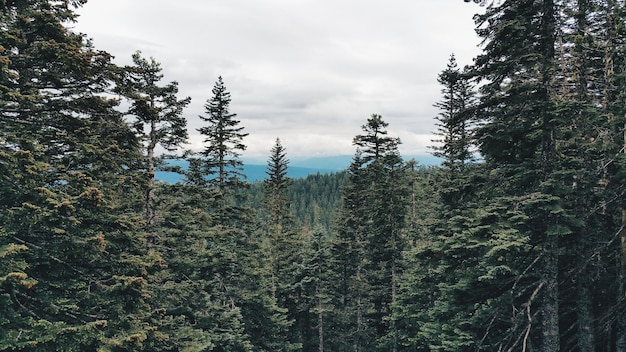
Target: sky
310 72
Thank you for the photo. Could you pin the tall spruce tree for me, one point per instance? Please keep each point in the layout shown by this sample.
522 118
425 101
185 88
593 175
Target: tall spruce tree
157 109
78 279
276 186
544 83
350 330
455 117
520 137
382 240
282 245
242 272
442 252
218 166
223 140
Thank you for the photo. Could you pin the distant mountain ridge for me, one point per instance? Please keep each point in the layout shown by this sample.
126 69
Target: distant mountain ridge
254 173
342 162
255 170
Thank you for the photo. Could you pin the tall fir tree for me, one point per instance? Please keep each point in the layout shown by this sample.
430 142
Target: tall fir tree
223 140
442 252
380 237
243 272
218 166
157 116
78 280
455 118
281 241
544 83
276 186
350 330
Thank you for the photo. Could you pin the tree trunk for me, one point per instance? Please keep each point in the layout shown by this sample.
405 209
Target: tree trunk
394 294
623 235
586 340
621 323
320 319
151 174
549 306
358 341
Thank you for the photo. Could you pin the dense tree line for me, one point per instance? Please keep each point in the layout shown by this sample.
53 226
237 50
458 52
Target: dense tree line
516 242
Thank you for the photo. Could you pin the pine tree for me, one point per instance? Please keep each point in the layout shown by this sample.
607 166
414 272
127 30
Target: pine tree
349 328
281 243
64 222
455 117
314 283
223 139
543 90
379 240
276 186
157 109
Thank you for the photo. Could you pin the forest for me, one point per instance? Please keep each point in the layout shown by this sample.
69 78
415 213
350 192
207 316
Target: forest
516 242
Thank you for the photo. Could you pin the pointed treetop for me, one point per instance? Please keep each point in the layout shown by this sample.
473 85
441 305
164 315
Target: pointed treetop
277 167
375 143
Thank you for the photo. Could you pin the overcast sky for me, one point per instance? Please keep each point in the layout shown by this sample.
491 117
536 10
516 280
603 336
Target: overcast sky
307 71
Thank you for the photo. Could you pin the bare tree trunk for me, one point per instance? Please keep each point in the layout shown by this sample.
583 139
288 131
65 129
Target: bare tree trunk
549 306
586 340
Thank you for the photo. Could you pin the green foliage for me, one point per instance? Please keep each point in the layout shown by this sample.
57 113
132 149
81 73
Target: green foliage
370 241
455 117
313 200
507 231
156 109
223 140
152 106
520 251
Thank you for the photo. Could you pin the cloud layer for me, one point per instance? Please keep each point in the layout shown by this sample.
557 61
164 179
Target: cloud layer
308 71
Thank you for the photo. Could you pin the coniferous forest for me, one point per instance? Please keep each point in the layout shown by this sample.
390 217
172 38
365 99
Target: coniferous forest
516 242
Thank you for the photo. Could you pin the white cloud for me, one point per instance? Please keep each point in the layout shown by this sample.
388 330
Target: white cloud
308 71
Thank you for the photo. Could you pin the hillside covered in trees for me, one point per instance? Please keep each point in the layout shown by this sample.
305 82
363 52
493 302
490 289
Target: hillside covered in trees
516 242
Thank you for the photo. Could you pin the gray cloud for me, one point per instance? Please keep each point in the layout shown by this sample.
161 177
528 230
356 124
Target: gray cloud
307 71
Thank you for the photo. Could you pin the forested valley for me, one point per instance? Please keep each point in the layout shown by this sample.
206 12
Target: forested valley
516 242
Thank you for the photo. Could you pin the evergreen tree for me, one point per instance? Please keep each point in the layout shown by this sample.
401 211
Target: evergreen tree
77 281
314 284
243 272
454 119
223 139
219 167
281 243
350 330
276 186
375 145
543 90
199 310
443 251
377 242
157 109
